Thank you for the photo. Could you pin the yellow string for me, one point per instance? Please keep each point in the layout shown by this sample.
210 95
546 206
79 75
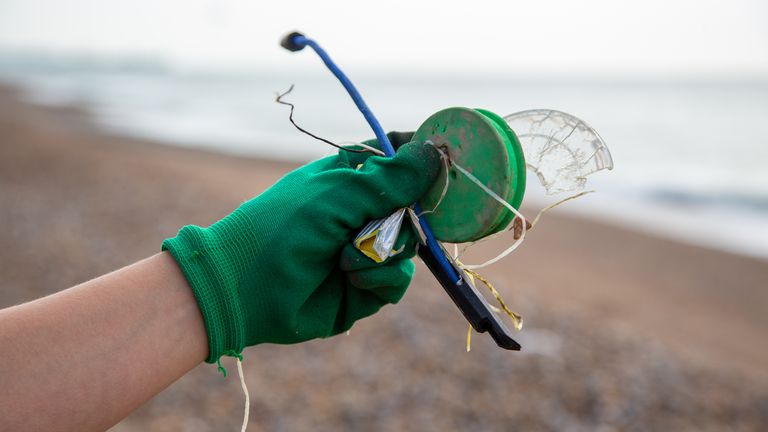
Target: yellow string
517 319
519 225
469 337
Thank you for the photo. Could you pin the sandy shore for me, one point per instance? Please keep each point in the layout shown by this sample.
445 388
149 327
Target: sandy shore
623 330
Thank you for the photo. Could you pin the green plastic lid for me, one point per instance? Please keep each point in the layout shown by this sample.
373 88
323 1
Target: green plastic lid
482 143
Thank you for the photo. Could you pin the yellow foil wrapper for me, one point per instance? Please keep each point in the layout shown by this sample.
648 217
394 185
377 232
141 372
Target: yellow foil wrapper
377 239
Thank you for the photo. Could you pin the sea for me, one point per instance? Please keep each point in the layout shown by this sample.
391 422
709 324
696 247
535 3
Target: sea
690 155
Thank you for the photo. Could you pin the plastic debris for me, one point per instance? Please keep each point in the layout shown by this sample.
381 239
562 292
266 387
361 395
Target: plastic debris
377 239
561 149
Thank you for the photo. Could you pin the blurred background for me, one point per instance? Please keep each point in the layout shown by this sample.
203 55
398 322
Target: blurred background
644 303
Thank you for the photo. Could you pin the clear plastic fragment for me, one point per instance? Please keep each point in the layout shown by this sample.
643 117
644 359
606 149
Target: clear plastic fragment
561 149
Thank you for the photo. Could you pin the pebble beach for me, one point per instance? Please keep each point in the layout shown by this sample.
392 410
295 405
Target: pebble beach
624 330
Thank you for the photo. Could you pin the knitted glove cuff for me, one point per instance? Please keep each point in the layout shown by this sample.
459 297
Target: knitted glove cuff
217 295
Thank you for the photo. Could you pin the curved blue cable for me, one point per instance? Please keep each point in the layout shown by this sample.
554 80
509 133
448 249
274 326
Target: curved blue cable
352 90
386 145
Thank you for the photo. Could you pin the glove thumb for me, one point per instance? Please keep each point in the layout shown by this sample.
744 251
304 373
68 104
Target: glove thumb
399 181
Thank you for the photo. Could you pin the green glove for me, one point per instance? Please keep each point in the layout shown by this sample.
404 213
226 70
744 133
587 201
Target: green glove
281 267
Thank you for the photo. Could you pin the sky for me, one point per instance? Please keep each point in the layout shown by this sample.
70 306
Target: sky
553 37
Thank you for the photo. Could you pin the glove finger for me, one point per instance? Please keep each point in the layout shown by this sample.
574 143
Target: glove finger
363 294
351 300
397 139
381 185
358 304
353 160
316 316
401 180
388 282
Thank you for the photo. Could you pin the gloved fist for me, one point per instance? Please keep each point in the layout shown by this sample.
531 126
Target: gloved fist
281 268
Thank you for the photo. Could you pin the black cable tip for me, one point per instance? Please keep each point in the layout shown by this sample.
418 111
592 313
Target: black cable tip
289 44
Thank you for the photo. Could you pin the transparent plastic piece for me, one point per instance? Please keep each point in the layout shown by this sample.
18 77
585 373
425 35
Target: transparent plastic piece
561 149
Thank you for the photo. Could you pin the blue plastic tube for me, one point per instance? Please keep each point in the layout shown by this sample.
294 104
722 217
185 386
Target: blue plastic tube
298 42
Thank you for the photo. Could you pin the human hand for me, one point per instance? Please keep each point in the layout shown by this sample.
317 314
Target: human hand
281 268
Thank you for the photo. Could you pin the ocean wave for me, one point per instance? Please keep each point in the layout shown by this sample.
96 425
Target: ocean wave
735 199
695 153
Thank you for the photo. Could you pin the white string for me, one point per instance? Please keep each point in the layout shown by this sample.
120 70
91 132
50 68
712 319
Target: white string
533 223
247 397
495 196
551 206
518 241
444 158
373 150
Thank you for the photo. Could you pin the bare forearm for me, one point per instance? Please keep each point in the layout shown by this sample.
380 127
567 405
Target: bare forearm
84 358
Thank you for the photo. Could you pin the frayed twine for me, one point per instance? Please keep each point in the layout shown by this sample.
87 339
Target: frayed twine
228 353
519 225
239 358
245 391
445 158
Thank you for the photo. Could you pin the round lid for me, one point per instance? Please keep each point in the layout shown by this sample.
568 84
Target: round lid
483 144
